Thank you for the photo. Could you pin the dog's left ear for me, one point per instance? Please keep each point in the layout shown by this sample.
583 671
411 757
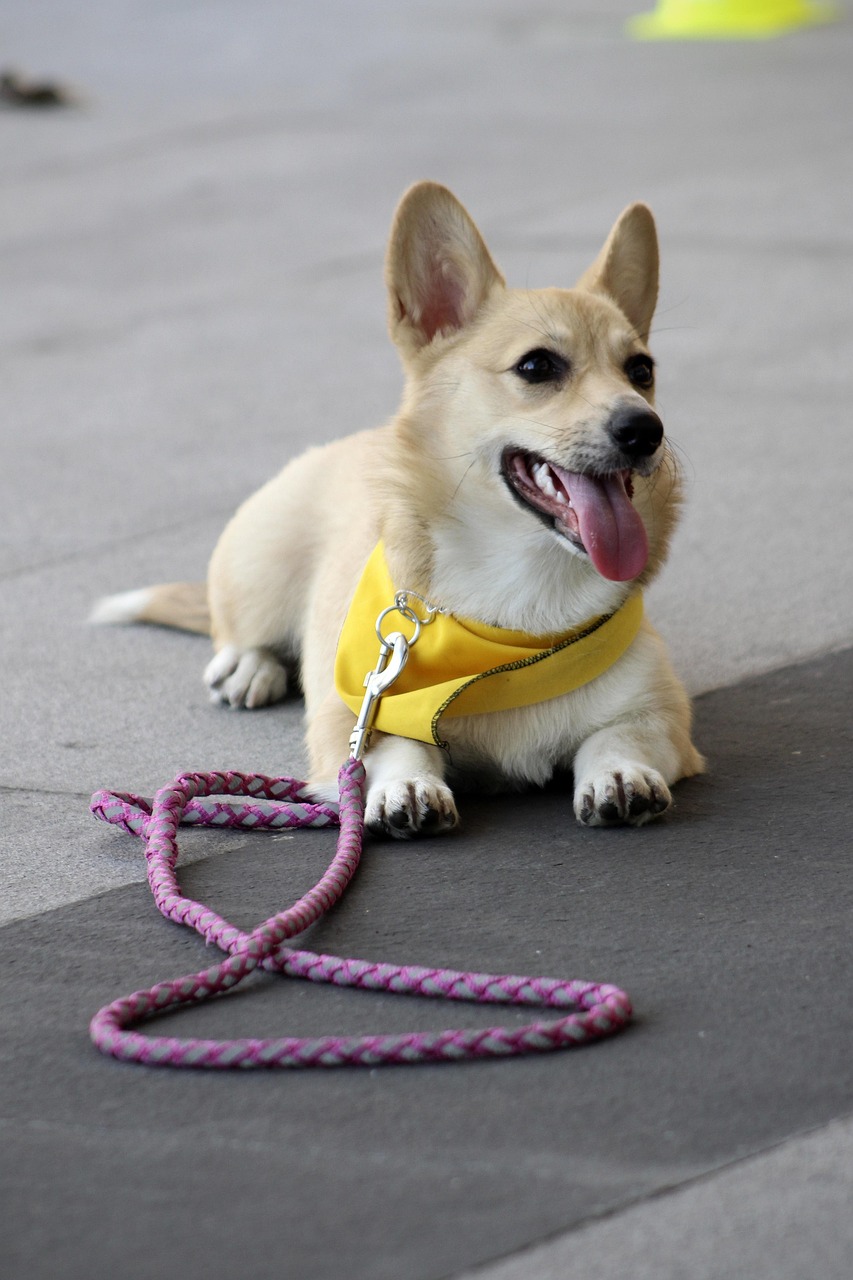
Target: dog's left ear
626 270
437 269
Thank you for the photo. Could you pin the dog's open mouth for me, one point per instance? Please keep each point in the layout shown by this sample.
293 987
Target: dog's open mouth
595 513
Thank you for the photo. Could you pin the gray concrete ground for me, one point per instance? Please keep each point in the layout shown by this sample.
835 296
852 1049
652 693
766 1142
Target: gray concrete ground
191 286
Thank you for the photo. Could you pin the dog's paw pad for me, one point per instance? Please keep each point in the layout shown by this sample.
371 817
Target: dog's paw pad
245 678
632 795
406 809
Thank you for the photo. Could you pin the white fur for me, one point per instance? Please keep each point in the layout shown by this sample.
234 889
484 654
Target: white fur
406 792
245 678
124 607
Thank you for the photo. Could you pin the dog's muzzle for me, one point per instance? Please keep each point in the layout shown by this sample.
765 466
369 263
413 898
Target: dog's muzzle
592 511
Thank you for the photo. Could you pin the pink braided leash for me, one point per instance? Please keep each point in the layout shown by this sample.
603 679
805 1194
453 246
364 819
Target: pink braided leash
603 1009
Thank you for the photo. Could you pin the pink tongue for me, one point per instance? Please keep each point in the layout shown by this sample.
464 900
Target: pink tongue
610 526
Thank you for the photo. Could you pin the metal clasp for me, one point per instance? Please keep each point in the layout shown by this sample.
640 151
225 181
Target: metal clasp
393 655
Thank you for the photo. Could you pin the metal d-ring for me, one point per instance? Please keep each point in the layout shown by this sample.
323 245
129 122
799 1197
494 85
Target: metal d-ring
401 605
405 611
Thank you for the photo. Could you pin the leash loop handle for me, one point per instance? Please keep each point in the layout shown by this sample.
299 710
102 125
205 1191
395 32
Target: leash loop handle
598 1009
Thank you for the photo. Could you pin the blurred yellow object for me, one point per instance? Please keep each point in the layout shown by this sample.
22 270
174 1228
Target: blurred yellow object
728 19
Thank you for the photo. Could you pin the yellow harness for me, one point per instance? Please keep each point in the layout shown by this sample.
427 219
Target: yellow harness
466 668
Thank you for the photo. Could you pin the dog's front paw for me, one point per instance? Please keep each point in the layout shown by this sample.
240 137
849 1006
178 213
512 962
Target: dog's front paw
420 807
245 677
632 795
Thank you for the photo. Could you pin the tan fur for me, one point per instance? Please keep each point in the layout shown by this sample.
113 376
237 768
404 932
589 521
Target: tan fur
180 604
170 604
429 483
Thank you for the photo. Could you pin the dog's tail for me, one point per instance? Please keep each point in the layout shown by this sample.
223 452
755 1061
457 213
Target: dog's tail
173 604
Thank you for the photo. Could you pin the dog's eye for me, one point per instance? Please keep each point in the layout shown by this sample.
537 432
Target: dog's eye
641 371
542 366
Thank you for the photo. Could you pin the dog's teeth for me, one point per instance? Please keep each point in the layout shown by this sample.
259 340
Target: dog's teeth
542 476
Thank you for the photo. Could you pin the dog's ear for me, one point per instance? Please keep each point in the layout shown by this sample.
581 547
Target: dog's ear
626 270
437 269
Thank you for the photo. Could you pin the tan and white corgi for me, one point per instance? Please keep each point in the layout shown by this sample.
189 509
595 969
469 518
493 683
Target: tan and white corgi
525 488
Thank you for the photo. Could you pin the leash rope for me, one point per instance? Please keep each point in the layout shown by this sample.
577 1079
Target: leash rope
286 802
603 1009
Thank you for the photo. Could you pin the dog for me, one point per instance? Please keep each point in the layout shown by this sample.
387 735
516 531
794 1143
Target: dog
525 487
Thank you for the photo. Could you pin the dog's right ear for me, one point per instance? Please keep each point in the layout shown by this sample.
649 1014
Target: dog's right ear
438 270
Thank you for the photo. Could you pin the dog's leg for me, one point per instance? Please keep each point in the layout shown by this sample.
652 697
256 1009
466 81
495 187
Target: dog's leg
283 572
623 772
406 792
257 582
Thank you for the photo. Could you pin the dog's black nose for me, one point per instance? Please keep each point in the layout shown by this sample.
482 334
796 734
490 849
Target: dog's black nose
637 432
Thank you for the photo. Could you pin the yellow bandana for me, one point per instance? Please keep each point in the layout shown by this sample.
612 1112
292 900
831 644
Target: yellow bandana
459 667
